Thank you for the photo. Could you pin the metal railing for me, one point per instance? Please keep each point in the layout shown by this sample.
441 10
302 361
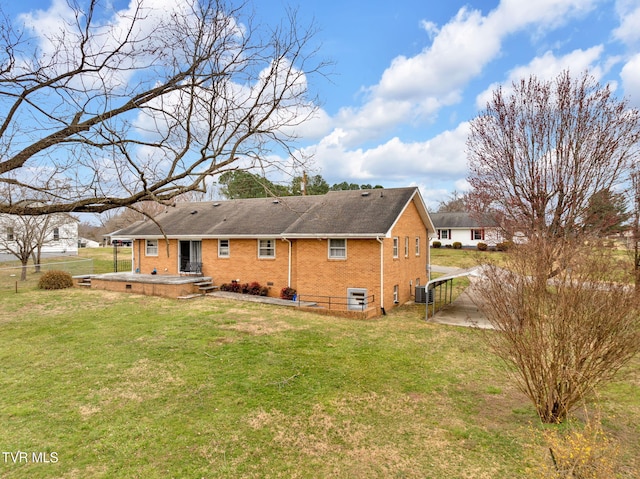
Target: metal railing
336 303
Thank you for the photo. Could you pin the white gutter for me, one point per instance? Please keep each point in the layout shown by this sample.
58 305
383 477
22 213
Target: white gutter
251 236
381 273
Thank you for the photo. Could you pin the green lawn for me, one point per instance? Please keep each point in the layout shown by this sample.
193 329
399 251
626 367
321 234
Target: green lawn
463 258
107 385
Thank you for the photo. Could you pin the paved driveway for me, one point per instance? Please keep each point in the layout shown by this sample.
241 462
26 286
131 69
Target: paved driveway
465 310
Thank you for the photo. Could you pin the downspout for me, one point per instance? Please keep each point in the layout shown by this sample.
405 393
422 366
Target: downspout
289 266
381 275
426 290
428 257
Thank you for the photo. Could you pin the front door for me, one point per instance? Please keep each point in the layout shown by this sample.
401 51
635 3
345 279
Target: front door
190 252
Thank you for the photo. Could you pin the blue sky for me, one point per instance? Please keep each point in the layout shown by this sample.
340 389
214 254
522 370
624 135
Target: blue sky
409 75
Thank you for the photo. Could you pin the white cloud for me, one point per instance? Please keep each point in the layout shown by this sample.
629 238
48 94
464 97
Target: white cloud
430 27
630 75
542 15
629 14
414 89
456 55
394 160
547 67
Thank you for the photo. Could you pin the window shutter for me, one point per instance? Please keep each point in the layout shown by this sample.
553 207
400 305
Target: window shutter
482 231
472 234
449 234
438 234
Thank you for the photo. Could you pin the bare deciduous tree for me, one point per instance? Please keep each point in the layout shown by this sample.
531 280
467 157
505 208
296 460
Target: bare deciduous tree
635 227
538 153
537 157
455 203
109 109
24 236
564 336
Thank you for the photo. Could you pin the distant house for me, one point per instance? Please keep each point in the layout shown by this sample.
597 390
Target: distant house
466 229
87 243
55 234
353 248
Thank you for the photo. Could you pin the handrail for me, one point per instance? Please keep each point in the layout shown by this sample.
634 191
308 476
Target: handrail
335 301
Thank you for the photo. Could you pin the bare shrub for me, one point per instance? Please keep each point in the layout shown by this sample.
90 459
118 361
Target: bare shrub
55 279
565 335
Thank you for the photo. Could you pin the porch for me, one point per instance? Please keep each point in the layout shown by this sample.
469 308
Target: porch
165 285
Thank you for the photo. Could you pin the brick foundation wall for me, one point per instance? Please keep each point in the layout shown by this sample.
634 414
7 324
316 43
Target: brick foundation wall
165 290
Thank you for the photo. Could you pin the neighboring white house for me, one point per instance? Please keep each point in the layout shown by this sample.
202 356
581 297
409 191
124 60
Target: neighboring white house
56 233
465 229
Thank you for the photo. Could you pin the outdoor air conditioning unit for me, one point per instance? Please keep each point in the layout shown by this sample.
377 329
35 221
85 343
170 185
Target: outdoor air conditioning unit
421 295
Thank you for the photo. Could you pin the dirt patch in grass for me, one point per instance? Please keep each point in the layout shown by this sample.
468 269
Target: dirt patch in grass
90 471
382 436
143 381
88 410
257 325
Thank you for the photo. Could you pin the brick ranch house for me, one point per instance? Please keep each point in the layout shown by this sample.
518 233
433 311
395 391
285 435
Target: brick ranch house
344 246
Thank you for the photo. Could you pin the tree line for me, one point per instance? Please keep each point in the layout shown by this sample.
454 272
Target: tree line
244 184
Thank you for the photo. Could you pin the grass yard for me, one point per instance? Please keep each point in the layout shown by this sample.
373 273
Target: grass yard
463 258
107 385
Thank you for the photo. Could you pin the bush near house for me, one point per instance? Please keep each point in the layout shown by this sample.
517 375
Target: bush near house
233 287
436 244
482 246
55 279
254 288
287 293
457 245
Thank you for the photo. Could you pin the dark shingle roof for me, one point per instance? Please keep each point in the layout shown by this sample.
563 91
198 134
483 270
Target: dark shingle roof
338 213
460 220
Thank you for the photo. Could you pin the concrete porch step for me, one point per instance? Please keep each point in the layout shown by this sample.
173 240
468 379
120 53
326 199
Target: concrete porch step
209 288
190 296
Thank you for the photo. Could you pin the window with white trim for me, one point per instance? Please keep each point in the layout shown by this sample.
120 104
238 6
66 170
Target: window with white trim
395 246
223 248
152 247
10 233
266 248
338 248
417 245
444 234
395 293
56 234
406 246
